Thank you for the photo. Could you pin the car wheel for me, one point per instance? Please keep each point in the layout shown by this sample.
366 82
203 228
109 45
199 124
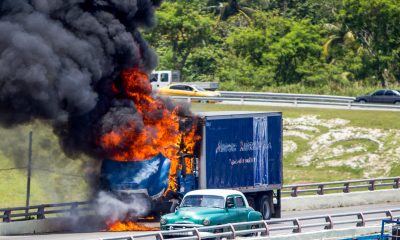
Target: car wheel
362 101
265 206
397 102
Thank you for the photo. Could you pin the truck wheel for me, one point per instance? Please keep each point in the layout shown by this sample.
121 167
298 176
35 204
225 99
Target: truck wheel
264 206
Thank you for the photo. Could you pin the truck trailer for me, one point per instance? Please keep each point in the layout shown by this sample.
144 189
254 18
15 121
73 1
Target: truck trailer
237 150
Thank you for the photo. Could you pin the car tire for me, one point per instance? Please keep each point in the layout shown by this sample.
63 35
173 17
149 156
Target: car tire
362 101
264 206
397 102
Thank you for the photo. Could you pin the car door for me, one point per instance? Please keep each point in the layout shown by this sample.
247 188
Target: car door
389 96
241 208
177 90
378 96
232 213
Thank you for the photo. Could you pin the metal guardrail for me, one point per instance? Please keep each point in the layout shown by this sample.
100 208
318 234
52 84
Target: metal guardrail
41 211
293 99
342 186
44 210
275 227
309 97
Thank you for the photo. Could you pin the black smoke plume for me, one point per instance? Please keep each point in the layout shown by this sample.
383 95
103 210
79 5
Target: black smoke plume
59 59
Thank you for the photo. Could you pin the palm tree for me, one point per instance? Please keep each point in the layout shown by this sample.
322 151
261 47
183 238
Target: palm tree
230 8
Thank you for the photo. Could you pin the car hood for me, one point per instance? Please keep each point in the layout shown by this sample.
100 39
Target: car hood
193 214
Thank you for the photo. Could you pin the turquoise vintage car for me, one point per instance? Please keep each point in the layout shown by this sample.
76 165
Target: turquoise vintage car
210 207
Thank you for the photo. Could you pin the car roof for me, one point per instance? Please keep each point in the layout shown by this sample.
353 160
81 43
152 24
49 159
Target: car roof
217 192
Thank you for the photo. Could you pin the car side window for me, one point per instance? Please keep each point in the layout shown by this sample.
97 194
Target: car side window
389 93
379 93
229 202
177 87
239 202
164 77
188 88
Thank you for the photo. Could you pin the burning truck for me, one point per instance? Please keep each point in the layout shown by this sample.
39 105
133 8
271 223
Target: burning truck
228 150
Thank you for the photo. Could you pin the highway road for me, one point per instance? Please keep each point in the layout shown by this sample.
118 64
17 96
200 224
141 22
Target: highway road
102 235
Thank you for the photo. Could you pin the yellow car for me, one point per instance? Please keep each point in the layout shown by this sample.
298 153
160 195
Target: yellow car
187 90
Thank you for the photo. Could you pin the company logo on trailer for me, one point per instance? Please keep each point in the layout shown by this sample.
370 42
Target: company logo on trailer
225 147
253 146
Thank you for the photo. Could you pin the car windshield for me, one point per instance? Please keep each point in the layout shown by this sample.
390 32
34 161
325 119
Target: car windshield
203 201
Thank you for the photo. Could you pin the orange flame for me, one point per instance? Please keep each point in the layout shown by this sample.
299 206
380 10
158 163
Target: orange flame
141 140
119 226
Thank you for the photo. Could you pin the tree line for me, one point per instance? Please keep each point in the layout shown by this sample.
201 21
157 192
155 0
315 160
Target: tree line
318 46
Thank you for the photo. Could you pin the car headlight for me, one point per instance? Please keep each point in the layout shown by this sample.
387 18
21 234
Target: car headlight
163 221
206 222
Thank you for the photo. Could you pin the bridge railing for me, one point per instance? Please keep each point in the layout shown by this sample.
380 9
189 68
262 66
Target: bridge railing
42 211
276 227
342 186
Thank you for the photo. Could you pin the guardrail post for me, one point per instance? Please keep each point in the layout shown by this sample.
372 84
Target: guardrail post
232 228
294 191
296 222
197 233
362 223
266 232
328 219
242 100
73 209
346 188
396 183
371 186
320 190
349 105
295 102
40 213
189 100
160 236
7 218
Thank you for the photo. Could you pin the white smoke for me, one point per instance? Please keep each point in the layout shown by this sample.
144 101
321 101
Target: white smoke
109 207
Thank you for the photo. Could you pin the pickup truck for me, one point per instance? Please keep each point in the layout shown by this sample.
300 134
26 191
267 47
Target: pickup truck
159 79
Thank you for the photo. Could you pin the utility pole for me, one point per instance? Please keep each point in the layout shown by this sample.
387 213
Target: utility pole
28 185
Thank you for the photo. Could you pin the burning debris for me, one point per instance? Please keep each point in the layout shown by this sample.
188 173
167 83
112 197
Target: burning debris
129 226
82 66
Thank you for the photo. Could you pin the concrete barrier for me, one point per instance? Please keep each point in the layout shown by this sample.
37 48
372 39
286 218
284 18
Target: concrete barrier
336 200
34 226
52 225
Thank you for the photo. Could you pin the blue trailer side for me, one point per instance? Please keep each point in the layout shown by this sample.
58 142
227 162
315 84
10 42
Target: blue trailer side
243 151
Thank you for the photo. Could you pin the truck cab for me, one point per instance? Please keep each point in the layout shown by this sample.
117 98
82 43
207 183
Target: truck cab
163 78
